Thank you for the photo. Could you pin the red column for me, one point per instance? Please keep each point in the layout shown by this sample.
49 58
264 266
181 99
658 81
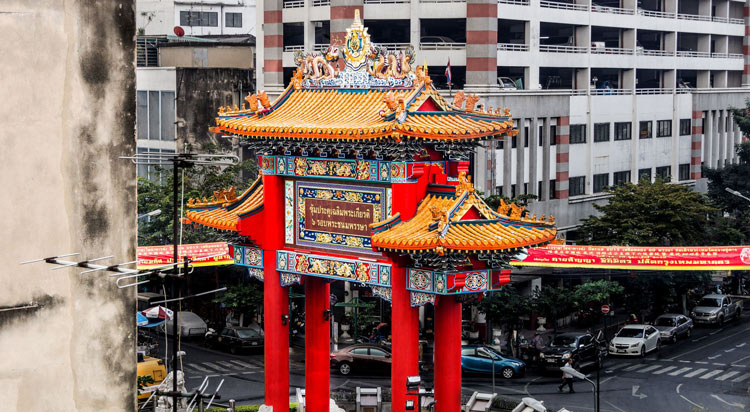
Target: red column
276 298
447 354
405 335
317 344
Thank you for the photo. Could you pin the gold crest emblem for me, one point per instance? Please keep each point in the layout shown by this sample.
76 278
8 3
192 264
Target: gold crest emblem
357 43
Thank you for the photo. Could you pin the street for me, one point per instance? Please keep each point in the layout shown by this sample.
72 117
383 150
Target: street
710 371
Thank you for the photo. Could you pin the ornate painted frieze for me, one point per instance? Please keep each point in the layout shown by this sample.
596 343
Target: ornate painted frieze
289 211
290 279
335 216
351 270
248 256
421 299
455 282
383 292
359 170
255 273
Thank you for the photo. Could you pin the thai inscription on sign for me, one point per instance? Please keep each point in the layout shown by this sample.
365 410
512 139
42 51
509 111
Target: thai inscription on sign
334 216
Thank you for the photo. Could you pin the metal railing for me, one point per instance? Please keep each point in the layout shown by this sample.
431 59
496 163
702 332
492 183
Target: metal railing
686 53
562 49
385 1
720 19
393 46
512 47
564 6
736 21
647 52
719 55
653 91
611 50
294 4
697 17
735 56
660 14
318 3
515 2
611 92
442 46
320 47
612 10
440 1
300 47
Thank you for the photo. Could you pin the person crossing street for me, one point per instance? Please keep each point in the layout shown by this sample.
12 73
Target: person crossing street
567 378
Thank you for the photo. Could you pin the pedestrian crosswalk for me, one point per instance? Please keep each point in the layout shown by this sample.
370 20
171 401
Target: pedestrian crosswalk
219 368
723 374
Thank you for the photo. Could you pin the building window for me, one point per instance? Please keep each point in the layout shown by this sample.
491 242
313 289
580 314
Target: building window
644 174
684 172
644 130
664 172
233 20
685 127
601 132
622 131
620 178
152 172
551 189
577 133
552 194
155 115
553 135
663 128
199 18
601 181
577 185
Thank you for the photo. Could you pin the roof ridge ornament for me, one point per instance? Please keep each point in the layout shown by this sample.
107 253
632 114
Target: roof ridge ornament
464 184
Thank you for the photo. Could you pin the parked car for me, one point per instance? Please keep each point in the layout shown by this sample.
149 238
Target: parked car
580 346
716 309
361 357
673 326
635 340
235 338
479 359
506 83
152 368
190 324
435 39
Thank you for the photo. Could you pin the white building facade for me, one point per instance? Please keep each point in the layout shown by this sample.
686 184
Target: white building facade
196 18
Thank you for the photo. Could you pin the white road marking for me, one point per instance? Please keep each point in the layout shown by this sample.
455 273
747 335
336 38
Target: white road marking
695 372
649 369
198 367
740 360
665 370
735 405
714 357
634 367
636 394
702 363
715 332
610 404
741 378
740 345
685 361
711 374
711 343
227 364
729 350
719 364
727 375
686 399
679 371
699 339
616 366
244 364
215 367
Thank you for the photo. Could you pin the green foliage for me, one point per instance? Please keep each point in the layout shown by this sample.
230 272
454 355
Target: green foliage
732 226
649 214
244 298
553 302
596 292
506 306
144 381
200 182
493 201
251 408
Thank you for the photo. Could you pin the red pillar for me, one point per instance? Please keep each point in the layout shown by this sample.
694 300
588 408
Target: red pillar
405 335
317 344
276 298
447 354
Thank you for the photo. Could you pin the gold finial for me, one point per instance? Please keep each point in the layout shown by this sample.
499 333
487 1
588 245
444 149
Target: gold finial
464 184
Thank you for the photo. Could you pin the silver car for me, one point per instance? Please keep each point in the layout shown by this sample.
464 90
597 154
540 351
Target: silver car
672 326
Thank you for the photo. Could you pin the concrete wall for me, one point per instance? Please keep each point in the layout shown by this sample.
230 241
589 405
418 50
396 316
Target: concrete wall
67 113
240 57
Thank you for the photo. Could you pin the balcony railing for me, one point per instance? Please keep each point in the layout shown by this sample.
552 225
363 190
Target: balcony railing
294 48
735 56
512 47
612 10
611 50
697 17
394 46
320 47
515 2
319 3
439 1
719 55
720 19
685 53
647 52
660 14
653 91
564 6
294 4
562 49
736 21
441 46
611 92
385 1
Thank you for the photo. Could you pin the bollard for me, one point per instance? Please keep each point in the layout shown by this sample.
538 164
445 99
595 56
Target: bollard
231 406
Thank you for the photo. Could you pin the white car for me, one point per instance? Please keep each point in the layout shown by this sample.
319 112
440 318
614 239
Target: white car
637 340
190 324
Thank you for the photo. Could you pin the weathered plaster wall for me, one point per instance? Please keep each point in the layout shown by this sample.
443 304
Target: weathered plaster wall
66 114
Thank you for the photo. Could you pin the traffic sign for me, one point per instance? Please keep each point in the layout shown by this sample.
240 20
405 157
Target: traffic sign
605 309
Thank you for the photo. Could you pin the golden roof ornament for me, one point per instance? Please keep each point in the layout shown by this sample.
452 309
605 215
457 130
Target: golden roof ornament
356 43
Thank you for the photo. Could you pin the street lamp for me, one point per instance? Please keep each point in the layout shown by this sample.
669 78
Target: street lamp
736 193
152 213
579 375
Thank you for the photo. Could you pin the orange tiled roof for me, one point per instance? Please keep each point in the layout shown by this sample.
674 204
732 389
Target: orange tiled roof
225 213
362 114
444 223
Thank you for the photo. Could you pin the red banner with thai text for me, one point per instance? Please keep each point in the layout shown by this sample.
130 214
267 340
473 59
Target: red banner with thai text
644 258
198 253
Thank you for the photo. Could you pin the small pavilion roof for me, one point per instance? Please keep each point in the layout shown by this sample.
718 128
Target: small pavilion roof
224 209
455 219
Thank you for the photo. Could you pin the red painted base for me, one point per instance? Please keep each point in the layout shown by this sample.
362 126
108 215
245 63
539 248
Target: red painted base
405 335
317 344
447 355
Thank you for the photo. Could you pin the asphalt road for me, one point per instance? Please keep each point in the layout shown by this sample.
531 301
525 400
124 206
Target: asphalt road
710 370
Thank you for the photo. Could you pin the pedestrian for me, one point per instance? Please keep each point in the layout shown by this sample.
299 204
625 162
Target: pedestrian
538 343
567 378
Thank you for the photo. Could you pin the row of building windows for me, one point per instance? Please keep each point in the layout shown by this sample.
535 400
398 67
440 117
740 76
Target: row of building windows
155 115
577 184
513 192
623 130
514 139
209 19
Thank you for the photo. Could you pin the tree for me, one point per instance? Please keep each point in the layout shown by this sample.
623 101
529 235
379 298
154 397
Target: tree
589 296
553 303
506 306
649 214
732 226
200 182
244 298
